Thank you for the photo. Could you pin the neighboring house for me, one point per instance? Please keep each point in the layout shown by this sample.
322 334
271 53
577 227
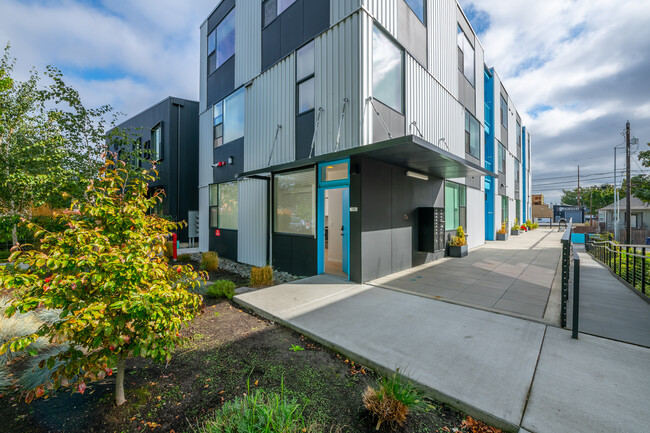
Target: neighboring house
352 137
639 214
167 132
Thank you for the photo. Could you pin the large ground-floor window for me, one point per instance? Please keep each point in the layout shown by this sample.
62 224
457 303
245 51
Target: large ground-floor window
455 206
504 209
295 202
224 205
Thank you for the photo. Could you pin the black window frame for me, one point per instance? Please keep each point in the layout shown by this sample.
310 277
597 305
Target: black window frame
214 51
502 160
468 137
504 111
306 78
157 154
461 56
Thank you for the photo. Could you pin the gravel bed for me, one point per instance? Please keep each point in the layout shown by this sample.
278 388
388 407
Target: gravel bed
244 269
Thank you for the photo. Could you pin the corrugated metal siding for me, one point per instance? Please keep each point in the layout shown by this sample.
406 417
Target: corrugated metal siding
337 77
205 176
436 112
475 217
270 101
443 46
366 24
340 9
480 85
253 227
385 12
203 67
248 36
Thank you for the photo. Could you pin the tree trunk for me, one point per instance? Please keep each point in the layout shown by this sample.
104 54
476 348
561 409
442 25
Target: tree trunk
14 234
119 382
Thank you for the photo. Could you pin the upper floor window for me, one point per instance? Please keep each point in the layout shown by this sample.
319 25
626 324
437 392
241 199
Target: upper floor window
516 171
228 118
224 205
504 112
156 143
465 56
273 8
455 205
472 136
502 158
387 69
417 6
518 134
305 77
221 42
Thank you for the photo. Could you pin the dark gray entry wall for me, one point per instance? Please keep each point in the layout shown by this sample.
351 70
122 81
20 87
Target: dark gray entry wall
387 220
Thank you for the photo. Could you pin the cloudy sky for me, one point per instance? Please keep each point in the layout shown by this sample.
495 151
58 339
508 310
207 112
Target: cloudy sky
576 69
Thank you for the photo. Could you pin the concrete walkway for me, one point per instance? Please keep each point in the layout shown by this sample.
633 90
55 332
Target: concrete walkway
485 363
609 308
514 276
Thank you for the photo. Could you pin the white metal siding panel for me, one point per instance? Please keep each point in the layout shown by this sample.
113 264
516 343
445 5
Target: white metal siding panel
480 85
443 46
205 176
337 76
204 219
340 9
437 113
248 40
366 77
252 233
385 12
270 101
203 66
512 128
475 217
510 175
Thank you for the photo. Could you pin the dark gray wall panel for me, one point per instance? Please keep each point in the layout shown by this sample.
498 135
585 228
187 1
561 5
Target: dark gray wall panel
292 28
502 184
401 248
226 244
411 33
271 44
375 189
304 134
376 254
466 94
228 172
316 17
355 220
295 254
221 82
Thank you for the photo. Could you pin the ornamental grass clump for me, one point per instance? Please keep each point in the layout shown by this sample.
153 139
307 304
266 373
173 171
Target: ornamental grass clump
221 289
5 379
259 412
392 400
107 274
210 261
18 326
261 277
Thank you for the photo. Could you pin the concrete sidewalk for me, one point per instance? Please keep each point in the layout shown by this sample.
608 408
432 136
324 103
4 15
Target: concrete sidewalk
479 361
608 308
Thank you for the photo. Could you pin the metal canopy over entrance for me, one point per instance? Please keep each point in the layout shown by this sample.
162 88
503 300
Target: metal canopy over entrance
409 152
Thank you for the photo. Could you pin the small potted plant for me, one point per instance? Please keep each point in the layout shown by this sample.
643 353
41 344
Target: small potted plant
458 244
514 231
502 234
524 228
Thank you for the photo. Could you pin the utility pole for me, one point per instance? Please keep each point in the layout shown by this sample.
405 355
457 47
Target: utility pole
578 185
628 189
591 208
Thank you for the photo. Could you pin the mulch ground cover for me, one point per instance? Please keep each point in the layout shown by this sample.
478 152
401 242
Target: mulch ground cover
231 352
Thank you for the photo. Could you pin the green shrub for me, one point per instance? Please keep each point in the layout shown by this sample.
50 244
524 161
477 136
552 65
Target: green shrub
258 412
222 289
261 276
535 225
169 249
210 261
184 258
392 400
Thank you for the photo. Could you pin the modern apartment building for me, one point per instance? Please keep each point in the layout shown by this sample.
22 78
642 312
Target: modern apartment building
167 132
352 137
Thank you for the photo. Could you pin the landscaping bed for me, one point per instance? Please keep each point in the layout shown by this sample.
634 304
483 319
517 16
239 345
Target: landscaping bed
230 348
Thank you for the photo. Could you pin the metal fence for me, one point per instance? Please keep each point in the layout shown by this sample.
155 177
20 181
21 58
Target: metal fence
630 262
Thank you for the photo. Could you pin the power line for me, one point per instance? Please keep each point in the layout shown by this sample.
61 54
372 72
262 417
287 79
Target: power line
573 176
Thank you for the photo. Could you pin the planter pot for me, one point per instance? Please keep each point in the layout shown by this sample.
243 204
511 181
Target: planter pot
460 251
502 237
514 232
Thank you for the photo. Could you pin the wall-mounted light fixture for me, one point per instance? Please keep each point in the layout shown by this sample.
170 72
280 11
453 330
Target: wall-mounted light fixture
230 159
415 175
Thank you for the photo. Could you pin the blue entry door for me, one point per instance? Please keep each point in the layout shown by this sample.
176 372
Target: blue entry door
345 209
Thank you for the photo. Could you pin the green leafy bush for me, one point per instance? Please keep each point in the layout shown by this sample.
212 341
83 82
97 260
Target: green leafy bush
221 289
258 412
261 277
392 400
210 261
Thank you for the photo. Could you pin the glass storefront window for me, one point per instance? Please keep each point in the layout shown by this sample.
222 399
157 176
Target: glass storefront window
295 202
